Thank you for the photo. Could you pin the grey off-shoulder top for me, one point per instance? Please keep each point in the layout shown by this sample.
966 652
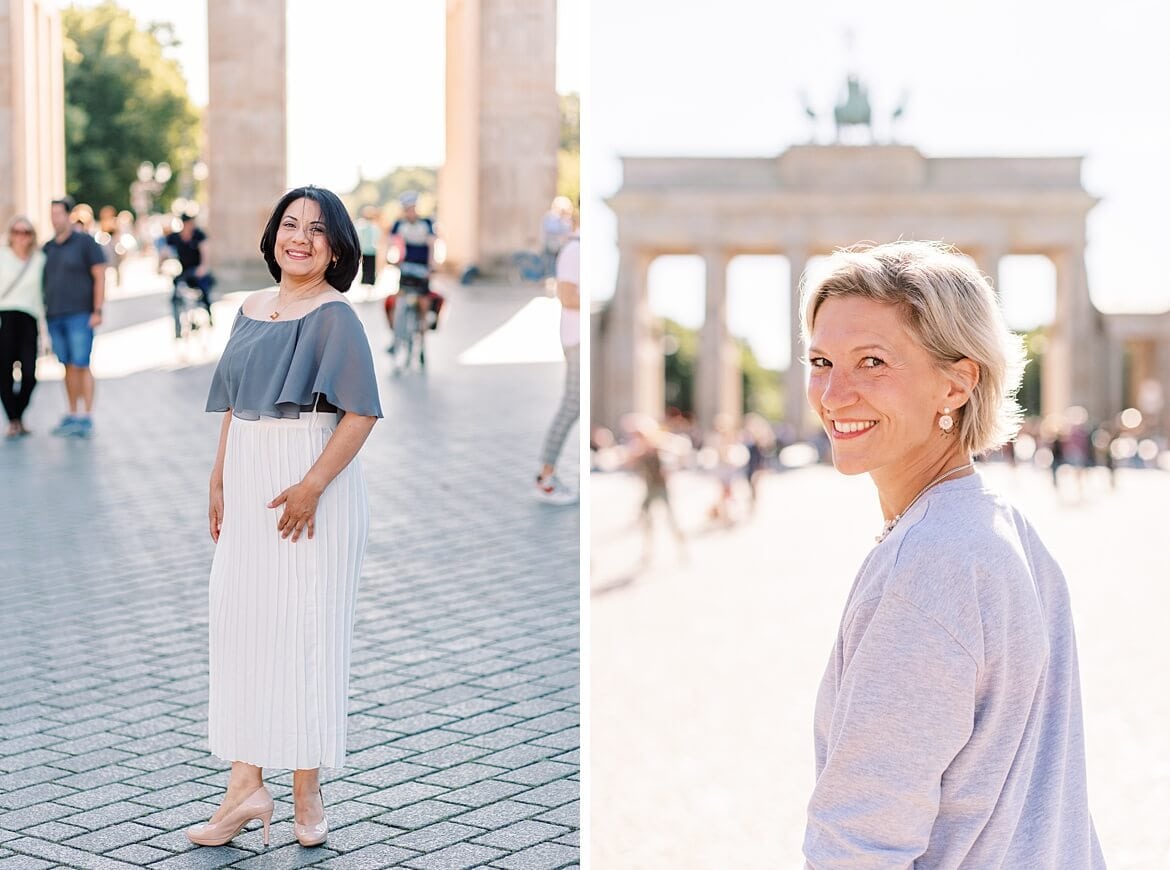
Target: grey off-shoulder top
279 368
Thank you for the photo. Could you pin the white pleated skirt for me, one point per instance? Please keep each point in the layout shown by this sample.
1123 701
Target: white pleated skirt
281 613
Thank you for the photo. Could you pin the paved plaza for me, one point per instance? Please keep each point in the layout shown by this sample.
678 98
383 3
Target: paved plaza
705 666
463 725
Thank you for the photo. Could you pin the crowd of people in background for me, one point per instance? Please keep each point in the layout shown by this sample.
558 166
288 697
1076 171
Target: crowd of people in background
52 292
1076 452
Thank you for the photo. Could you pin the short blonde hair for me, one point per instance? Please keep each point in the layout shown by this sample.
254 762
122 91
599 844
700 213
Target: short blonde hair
949 306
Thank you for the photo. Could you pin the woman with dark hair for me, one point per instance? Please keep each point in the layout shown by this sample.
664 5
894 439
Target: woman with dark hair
289 516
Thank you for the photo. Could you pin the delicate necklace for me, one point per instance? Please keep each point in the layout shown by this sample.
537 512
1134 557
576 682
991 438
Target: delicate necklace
275 315
889 527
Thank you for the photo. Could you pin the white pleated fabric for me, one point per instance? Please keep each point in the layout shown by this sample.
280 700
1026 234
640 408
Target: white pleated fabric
281 613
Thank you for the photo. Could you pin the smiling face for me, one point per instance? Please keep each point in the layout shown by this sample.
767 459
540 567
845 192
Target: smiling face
302 248
875 388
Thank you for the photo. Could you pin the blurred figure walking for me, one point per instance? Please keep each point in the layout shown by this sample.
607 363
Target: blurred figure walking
761 443
75 287
549 488
368 233
727 456
21 308
555 229
644 456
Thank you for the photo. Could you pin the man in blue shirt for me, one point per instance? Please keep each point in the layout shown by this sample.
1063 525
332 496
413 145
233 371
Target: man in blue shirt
75 287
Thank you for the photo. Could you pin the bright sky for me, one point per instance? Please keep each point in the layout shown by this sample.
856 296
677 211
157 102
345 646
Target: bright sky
365 79
995 78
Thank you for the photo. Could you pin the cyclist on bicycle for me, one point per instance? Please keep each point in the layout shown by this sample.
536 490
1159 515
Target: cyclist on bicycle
188 245
415 238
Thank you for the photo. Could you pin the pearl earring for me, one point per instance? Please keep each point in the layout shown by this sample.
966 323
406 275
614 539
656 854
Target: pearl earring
946 422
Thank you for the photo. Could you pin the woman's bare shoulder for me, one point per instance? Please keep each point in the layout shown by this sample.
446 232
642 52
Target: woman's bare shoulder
259 301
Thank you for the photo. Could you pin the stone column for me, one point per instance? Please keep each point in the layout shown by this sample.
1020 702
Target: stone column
32 111
795 401
987 260
1115 388
246 134
718 383
1071 376
633 366
503 128
1161 421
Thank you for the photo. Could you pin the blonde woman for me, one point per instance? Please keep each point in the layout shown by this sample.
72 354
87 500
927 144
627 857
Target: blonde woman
21 309
948 725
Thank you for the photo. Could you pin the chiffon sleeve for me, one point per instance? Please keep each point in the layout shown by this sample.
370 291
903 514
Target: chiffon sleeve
333 360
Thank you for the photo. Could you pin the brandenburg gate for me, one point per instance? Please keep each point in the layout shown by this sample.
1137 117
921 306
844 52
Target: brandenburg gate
812 199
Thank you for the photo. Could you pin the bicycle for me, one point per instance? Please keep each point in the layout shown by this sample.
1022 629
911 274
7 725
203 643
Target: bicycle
190 315
409 331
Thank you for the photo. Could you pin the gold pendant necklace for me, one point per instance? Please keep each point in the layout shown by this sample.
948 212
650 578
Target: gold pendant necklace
276 313
889 527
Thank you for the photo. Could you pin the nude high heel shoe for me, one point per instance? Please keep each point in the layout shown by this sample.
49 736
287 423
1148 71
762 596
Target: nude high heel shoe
313 835
257 805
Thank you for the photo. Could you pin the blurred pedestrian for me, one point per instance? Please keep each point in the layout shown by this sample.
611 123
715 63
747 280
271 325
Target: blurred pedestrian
21 308
75 287
1056 444
368 233
728 458
761 445
948 727
1102 441
106 233
190 247
297 383
644 456
555 229
549 488
82 217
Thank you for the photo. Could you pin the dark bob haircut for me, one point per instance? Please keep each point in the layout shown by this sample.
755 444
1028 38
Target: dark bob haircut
339 232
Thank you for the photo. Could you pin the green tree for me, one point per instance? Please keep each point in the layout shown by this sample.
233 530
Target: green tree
1035 343
762 391
124 103
681 346
384 192
761 387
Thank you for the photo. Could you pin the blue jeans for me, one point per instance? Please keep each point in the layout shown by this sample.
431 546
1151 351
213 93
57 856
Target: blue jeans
72 338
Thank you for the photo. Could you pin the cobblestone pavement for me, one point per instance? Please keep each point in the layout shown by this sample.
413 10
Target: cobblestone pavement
704 669
463 726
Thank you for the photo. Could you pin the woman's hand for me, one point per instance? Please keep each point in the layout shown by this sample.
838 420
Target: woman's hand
300 507
215 509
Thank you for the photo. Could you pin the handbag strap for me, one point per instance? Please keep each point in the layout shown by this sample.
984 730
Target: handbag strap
16 280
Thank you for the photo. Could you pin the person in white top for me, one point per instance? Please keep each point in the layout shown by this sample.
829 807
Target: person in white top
549 488
21 308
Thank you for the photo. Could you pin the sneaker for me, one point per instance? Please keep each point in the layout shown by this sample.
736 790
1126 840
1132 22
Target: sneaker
82 428
66 426
552 491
